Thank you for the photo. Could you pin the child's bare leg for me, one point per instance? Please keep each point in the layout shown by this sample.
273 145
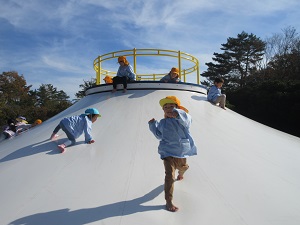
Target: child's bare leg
221 100
53 136
182 168
169 183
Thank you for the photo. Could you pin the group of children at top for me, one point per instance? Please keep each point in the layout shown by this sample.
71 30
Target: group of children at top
126 74
176 142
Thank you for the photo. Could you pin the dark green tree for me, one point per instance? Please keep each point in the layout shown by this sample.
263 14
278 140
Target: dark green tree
240 58
271 95
14 98
87 84
17 99
49 101
285 67
283 52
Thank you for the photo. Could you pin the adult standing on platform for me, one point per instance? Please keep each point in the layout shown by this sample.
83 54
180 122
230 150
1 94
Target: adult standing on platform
124 75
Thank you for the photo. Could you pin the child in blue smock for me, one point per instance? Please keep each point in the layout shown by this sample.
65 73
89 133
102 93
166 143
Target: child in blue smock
176 143
75 126
172 76
124 75
214 94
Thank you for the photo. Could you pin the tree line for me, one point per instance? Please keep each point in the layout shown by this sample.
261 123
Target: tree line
17 99
262 82
262 78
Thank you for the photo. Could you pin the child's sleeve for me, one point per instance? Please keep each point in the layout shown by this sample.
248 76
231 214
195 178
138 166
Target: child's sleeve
183 118
131 73
154 127
164 79
88 131
213 93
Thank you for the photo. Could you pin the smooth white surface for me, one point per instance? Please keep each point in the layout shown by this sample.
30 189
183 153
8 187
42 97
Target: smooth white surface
244 173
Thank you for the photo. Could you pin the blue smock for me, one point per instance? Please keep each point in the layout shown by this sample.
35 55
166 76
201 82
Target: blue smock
126 71
76 125
175 138
213 93
169 79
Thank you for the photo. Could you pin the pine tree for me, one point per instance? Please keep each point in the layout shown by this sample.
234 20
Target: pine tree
239 59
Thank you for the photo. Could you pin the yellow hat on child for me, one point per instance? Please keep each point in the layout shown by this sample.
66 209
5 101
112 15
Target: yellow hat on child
108 79
174 70
172 100
123 59
21 119
38 121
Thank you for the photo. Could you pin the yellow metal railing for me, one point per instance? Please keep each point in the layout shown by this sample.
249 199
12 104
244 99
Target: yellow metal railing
181 56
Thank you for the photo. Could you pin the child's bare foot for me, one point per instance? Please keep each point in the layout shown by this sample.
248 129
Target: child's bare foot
180 177
125 90
53 137
114 90
182 171
170 207
62 148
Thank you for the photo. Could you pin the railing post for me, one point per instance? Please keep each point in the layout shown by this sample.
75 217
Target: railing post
134 60
98 80
198 72
179 63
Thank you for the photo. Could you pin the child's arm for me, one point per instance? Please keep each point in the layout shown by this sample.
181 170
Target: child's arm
165 79
131 74
88 131
183 118
153 126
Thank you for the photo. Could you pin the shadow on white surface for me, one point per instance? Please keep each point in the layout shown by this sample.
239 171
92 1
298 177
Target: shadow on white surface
89 215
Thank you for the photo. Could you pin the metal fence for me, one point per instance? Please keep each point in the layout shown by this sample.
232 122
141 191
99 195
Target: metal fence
135 53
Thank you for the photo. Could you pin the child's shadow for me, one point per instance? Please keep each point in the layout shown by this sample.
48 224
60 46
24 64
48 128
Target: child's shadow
199 98
90 215
44 146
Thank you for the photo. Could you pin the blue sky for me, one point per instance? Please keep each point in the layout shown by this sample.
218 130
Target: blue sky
55 42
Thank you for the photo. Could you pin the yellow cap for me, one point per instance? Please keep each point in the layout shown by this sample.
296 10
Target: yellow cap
174 70
173 100
38 121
